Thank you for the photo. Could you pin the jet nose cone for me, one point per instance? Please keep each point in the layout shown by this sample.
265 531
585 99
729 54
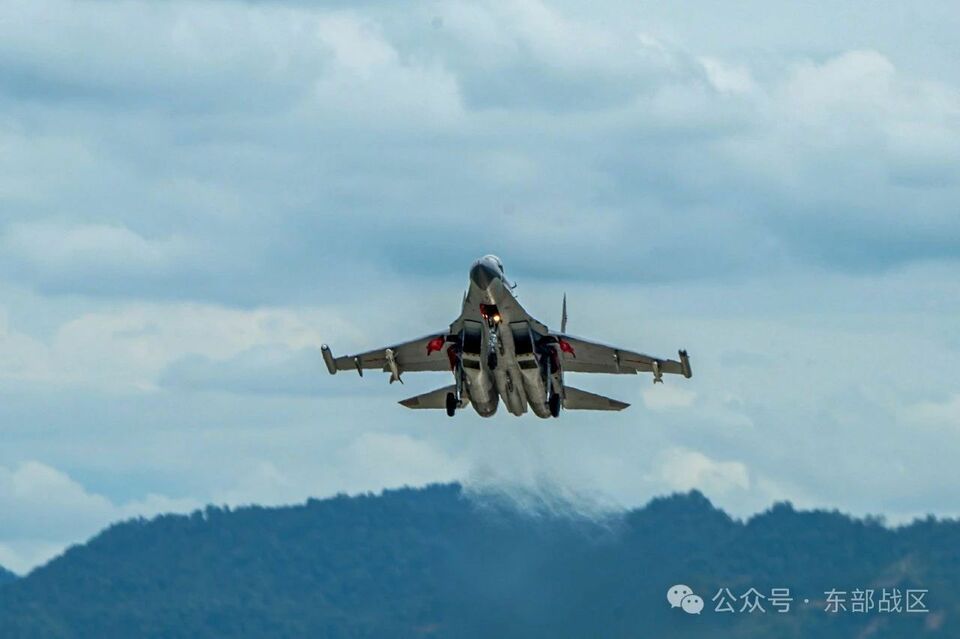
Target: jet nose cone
483 274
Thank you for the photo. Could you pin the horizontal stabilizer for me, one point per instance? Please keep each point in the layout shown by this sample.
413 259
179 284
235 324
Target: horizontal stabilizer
576 399
433 399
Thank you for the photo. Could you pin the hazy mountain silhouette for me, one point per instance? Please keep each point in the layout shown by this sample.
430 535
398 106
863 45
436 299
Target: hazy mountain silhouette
6 576
435 562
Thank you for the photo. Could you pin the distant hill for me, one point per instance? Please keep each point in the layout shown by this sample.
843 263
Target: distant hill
6 576
433 562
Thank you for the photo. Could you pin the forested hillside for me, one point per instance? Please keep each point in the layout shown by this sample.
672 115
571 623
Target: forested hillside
435 562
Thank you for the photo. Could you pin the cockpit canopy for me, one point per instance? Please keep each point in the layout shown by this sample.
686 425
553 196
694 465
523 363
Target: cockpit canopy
495 259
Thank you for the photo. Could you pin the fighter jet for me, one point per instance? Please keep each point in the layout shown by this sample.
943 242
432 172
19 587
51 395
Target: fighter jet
497 351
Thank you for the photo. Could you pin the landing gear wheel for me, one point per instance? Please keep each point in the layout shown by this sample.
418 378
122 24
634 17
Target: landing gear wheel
492 360
554 402
451 404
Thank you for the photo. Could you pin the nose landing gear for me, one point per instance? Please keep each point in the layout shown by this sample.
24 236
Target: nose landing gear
490 313
493 345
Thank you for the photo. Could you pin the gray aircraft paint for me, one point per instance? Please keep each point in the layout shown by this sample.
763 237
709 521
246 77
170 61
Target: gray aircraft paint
498 352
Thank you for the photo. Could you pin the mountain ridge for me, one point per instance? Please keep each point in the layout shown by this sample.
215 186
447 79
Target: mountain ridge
439 561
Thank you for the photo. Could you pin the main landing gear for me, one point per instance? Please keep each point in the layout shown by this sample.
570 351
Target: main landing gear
554 403
553 398
452 404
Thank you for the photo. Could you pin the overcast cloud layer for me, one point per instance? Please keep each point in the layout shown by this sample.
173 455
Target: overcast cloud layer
195 195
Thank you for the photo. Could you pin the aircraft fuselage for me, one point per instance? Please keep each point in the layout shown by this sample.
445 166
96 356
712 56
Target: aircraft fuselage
509 365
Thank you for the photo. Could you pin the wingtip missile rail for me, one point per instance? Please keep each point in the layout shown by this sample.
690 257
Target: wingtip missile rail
328 359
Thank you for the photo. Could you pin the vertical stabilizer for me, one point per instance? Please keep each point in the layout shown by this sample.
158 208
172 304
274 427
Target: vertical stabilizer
563 317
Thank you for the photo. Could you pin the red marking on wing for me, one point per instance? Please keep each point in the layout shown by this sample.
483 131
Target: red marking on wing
435 345
452 355
566 348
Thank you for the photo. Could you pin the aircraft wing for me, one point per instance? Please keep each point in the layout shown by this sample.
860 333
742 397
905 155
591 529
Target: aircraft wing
426 353
583 356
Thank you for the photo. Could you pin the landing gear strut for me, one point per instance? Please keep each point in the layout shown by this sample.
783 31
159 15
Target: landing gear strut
492 347
553 399
452 404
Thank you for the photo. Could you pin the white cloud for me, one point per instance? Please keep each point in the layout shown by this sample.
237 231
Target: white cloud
303 174
683 470
179 56
44 510
89 250
666 397
22 555
946 412
727 78
377 459
263 484
41 500
370 86
858 83
267 369
128 346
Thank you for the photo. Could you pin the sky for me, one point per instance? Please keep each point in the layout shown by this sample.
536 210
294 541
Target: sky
194 195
